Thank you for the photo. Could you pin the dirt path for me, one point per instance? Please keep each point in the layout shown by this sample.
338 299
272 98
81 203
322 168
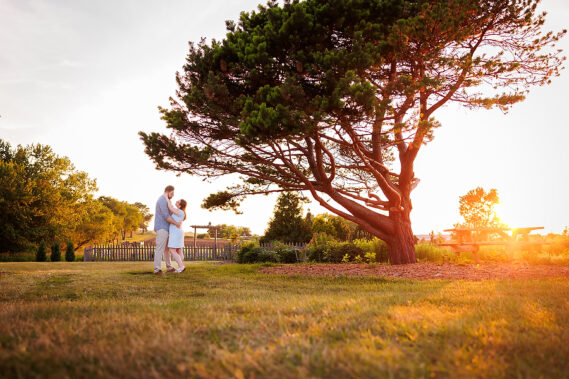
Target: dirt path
427 271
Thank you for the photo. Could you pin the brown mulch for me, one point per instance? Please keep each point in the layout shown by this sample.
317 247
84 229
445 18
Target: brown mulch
427 270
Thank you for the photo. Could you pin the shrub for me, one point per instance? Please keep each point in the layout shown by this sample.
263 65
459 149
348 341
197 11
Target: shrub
286 254
55 252
70 252
370 257
250 253
376 246
245 248
41 254
321 239
249 256
264 256
318 245
315 253
336 252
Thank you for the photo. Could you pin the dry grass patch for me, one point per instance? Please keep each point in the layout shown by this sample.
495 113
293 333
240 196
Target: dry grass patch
112 320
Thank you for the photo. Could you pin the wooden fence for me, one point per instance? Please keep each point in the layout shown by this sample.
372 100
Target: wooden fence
115 253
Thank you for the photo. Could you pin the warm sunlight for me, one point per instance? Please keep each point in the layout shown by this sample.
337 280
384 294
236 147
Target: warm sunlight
284 188
514 217
503 216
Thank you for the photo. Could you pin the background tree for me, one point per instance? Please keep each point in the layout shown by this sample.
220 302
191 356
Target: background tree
95 224
146 216
40 196
477 208
118 208
70 252
230 231
43 197
55 252
15 214
287 223
132 220
41 253
334 226
321 95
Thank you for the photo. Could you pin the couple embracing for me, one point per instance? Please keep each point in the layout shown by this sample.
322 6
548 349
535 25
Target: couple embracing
169 234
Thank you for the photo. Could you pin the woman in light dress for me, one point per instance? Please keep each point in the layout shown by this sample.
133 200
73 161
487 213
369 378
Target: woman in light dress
176 235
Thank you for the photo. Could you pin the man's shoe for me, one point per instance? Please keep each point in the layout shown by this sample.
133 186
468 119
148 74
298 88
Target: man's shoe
171 269
159 272
180 269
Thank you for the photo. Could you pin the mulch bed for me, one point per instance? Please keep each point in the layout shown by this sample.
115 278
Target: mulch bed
426 271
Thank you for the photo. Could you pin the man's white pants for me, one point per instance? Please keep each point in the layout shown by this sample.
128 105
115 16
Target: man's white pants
161 249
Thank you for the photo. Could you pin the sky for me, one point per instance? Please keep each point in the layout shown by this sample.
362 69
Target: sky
86 76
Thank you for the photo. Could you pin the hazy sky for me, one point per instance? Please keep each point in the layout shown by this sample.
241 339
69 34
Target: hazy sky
85 76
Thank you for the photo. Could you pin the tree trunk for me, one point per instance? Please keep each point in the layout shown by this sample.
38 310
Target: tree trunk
402 242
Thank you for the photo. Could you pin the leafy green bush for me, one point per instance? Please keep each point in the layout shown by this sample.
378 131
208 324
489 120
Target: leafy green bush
318 246
251 253
249 256
55 252
41 254
264 256
370 257
315 253
70 252
245 248
259 255
376 246
242 252
286 254
321 239
336 252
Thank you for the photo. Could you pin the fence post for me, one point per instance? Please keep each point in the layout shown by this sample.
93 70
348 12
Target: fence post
86 254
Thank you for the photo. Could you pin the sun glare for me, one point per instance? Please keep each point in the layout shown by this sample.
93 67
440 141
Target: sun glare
503 215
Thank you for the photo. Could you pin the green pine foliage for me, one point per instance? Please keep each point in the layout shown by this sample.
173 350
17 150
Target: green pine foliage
41 253
287 223
56 252
70 252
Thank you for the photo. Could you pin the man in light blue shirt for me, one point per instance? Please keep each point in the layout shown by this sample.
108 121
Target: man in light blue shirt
162 221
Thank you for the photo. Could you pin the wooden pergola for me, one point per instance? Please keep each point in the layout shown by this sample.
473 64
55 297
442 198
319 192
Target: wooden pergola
209 226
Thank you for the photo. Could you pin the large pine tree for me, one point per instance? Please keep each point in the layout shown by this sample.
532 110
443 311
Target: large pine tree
321 95
287 223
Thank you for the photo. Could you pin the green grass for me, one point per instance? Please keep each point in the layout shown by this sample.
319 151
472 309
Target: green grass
140 237
116 320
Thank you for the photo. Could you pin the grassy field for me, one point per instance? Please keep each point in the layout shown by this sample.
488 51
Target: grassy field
141 237
115 320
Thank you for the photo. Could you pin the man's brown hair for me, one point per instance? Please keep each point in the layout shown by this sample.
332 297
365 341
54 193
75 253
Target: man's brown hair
169 189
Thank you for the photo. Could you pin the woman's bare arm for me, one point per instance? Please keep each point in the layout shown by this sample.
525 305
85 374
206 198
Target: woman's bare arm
172 208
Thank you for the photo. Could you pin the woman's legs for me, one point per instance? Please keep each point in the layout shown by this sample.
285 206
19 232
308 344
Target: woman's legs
181 255
176 257
180 252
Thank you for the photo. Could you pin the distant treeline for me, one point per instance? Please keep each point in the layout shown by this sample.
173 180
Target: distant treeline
229 232
44 198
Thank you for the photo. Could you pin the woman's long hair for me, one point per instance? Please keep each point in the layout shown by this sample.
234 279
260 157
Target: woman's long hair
183 206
